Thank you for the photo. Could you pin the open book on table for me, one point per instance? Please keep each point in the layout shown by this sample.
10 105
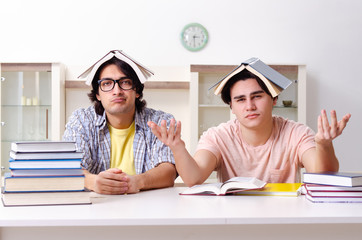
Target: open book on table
232 185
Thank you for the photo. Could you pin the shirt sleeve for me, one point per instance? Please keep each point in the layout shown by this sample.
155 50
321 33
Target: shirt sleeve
77 129
161 153
148 146
306 139
208 141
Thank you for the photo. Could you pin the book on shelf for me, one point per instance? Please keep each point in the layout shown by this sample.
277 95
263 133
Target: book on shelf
274 81
44 164
46 172
346 179
43 183
235 184
275 189
45 155
43 146
45 198
142 72
324 199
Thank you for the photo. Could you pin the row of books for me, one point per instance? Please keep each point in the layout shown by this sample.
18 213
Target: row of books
44 173
333 187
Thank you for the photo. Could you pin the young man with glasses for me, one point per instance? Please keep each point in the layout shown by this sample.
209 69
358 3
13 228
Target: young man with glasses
121 154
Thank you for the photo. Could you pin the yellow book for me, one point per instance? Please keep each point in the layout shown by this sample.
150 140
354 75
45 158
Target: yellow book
276 189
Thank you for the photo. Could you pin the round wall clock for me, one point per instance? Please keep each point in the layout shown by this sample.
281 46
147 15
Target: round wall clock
194 37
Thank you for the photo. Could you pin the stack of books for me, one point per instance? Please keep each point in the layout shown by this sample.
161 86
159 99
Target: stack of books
44 173
333 187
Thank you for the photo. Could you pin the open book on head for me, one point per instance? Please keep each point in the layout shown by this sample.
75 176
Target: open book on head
274 81
235 184
142 72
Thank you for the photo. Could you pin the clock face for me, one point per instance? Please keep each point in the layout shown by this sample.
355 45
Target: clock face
194 37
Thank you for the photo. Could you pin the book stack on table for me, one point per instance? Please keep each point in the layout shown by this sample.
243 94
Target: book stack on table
334 187
44 173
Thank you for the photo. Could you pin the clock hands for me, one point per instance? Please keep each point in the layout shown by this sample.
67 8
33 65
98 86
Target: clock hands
194 37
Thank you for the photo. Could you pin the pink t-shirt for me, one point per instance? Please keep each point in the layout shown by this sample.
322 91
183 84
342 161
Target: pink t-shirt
278 160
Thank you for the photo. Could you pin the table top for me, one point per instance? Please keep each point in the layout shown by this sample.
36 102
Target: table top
167 207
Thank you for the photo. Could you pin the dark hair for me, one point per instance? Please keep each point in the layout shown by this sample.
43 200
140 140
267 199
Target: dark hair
241 76
129 72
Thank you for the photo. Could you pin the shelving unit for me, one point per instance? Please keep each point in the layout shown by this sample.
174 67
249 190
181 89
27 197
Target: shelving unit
207 110
32 104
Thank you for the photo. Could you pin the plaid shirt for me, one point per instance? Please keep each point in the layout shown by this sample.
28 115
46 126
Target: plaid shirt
90 132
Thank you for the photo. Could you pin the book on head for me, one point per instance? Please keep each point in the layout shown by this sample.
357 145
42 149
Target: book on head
346 179
274 81
232 185
275 189
43 146
142 72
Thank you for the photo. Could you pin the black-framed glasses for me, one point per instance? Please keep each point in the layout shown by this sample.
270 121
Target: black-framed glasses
107 84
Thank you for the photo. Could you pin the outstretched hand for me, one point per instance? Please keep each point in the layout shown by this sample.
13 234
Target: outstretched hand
326 133
171 136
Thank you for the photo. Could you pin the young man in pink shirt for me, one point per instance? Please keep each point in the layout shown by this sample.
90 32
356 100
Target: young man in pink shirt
255 144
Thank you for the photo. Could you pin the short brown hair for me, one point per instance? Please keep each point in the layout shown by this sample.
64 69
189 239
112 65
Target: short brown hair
241 76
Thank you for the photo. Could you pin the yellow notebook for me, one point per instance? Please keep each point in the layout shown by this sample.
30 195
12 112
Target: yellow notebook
275 189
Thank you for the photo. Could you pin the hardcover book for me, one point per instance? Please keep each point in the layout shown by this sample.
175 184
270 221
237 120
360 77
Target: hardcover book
43 183
45 198
329 188
43 146
274 81
233 185
346 179
44 155
46 172
44 164
335 193
142 72
322 199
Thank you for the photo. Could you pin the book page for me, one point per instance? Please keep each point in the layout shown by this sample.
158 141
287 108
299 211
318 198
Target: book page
210 188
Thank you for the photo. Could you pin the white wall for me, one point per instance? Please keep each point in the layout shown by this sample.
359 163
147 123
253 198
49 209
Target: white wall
325 35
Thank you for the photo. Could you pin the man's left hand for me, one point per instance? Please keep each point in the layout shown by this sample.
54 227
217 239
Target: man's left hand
326 133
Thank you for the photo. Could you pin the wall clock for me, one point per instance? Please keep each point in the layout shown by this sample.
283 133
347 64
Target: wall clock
194 37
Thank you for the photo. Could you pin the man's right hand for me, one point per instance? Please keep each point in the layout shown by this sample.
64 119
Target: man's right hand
112 181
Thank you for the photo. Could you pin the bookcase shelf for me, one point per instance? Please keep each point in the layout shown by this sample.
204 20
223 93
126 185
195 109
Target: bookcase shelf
32 104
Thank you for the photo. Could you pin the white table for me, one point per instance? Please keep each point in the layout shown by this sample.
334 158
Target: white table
164 214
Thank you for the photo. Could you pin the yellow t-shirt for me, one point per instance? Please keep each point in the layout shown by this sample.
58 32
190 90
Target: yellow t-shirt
122 148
